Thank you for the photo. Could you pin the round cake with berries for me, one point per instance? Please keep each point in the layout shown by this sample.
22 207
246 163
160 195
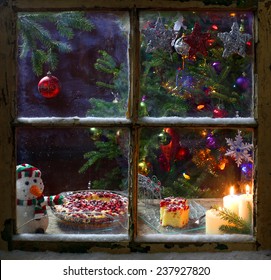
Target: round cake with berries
174 212
95 209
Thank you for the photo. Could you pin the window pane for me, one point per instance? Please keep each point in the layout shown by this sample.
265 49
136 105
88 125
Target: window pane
87 55
201 166
71 160
197 64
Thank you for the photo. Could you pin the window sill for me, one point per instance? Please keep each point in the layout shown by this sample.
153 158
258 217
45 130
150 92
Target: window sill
72 237
185 238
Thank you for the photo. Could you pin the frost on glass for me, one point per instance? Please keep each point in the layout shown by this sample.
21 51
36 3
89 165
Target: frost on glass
196 64
85 52
210 168
76 160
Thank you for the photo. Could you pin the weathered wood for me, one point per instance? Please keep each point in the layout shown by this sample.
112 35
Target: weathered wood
22 5
7 93
134 51
263 164
8 11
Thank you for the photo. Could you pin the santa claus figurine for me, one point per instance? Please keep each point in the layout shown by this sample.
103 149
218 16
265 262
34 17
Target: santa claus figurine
31 203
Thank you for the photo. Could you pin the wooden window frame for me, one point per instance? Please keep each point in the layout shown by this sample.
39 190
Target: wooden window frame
260 125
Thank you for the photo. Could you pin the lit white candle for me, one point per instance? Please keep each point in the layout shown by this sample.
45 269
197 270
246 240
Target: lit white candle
231 202
246 205
214 222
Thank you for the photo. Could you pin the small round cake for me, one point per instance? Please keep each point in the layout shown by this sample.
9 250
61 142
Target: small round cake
97 209
174 212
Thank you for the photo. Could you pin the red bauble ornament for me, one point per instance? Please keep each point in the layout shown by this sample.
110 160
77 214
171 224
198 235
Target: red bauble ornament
219 113
182 153
49 86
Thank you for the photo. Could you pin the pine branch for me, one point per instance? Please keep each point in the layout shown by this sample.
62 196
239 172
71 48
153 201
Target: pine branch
39 57
106 64
24 48
237 224
108 180
118 84
39 41
62 47
101 107
234 229
52 59
105 85
224 74
103 68
34 32
223 97
93 157
66 22
106 60
104 150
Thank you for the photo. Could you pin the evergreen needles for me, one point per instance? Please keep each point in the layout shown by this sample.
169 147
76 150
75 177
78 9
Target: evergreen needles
41 43
106 148
236 225
115 82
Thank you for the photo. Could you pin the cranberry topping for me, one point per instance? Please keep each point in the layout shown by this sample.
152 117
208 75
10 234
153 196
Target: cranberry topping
173 204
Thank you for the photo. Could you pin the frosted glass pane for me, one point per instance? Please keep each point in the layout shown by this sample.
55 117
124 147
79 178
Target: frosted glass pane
196 64
86 52
75 161
200 166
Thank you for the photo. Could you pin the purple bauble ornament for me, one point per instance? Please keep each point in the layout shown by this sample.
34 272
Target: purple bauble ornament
210 141
217 66
242 83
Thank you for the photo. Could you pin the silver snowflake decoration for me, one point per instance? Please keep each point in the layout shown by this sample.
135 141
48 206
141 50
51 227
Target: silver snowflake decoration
234 41
239 150
158 37
149 188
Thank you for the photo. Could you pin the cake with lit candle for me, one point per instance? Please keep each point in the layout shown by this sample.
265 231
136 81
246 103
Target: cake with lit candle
174 211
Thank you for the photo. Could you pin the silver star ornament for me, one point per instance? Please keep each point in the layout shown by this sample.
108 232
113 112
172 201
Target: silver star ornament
158 37
234 41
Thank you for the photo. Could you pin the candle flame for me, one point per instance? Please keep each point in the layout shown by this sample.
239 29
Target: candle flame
231 190
247 189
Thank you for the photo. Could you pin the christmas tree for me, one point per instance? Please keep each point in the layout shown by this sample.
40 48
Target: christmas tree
191 70
186 71
192 65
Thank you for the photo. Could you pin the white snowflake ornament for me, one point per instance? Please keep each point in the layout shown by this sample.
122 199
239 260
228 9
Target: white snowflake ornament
239 150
